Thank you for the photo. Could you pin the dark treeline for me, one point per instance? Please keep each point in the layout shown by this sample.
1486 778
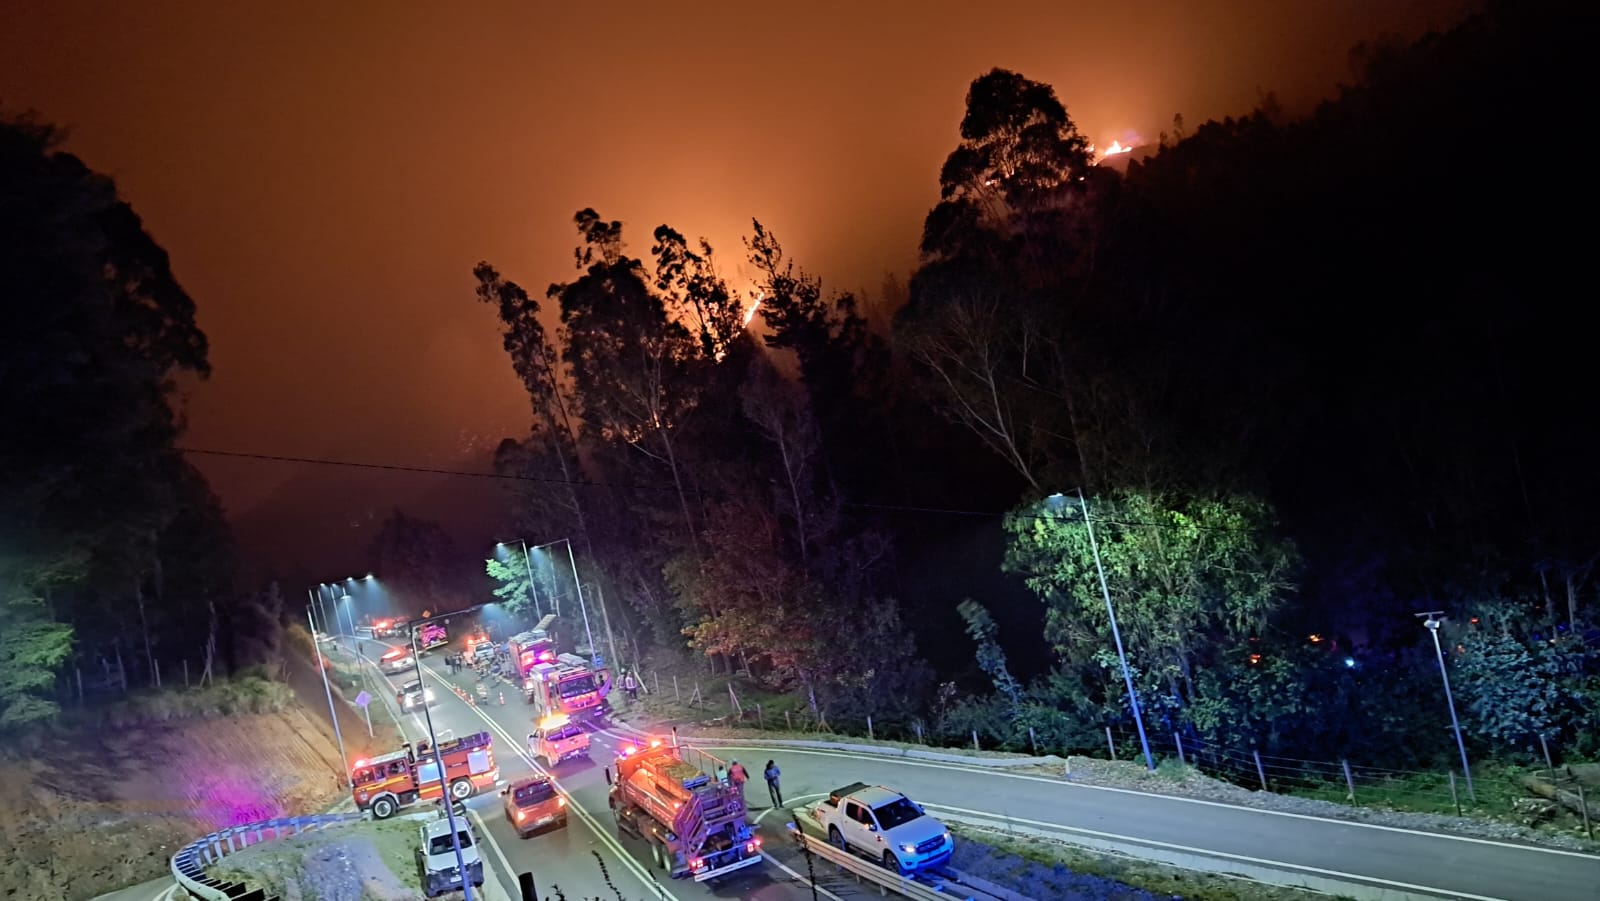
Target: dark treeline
114 555
1313 375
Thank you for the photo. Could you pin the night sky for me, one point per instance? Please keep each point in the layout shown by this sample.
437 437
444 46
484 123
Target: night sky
326 175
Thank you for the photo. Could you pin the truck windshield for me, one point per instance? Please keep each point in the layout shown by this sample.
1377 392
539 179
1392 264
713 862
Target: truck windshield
440 844
576 685
897 813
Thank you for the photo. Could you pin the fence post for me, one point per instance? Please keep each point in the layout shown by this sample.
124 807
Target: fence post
79 671
1349 780
676 694
1033 741
1543 745
1260 770
761 721
696 696
788 722
1178 740
1112 744
157 664
1453 796
657 676
975 741
185 672
870 735
918 725
1583 803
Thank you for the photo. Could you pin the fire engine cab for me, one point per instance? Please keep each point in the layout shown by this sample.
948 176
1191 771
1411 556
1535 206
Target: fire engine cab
401 778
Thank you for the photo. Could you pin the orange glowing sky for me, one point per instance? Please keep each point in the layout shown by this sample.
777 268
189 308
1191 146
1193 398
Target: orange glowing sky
325 175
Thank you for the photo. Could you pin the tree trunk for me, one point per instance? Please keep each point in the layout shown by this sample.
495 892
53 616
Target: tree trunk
144 629
1566 799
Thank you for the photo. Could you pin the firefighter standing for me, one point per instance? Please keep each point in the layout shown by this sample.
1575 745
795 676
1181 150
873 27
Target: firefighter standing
631 686
772 773
738 776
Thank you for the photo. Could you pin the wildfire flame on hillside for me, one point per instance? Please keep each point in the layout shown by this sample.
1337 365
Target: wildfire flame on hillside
750 314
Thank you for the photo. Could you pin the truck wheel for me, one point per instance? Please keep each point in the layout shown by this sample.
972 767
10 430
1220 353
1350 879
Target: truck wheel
461 789
837 840
663 858
384 808
891 862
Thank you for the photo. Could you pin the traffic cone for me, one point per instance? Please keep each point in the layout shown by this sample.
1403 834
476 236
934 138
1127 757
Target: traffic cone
502 698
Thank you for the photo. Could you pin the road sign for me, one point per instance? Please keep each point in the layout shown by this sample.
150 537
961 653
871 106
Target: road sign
363 699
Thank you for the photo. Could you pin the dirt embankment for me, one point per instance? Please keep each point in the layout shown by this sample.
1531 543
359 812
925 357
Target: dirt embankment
104 804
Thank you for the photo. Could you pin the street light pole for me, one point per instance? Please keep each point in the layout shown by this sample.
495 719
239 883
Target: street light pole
344 761
533 591
1116 635
438 762
1431 622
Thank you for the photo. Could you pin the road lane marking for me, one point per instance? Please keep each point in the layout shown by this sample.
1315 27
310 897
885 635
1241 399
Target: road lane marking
792 802
645 878
1002 819
483 830
900 761
799 878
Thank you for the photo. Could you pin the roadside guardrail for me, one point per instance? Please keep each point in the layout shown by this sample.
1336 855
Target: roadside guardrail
869 871
189 864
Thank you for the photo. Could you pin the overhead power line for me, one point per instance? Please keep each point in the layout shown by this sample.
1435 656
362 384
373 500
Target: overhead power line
587 483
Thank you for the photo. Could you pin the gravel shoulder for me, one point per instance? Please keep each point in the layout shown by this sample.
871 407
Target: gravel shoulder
365 861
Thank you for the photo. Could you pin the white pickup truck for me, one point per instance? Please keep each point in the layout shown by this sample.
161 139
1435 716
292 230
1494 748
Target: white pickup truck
885 826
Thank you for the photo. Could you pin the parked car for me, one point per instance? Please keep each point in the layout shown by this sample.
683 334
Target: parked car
413 696
884 825
532 803
436 857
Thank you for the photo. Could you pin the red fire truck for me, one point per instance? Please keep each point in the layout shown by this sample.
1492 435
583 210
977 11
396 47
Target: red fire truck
401 778
569 686
694 825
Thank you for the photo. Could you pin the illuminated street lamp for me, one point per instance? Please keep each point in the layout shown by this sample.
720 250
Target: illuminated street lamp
583 605
1056 502
533 592
1431 622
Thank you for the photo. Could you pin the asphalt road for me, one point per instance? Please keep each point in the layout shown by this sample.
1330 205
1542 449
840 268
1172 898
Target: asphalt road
1403 862
571 858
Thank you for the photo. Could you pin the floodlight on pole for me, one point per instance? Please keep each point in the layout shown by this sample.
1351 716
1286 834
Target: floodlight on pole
1431 621
527 561
1116 634
583 606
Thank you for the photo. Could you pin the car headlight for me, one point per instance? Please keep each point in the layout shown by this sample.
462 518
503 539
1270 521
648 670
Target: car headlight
909 848
428 695
947 836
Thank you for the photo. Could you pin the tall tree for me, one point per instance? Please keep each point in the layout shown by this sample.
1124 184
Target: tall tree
634 367
98 330
1003 251
1192 580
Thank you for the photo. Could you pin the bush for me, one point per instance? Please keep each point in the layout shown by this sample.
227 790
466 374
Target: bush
243 694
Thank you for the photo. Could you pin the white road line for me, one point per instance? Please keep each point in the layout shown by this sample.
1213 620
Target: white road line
792 802
607 838
799 878
1000 819
486 835
900 761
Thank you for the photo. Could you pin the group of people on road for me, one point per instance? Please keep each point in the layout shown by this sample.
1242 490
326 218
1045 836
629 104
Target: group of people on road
736 775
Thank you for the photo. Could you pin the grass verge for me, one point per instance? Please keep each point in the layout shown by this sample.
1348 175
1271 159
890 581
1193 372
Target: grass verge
1040 868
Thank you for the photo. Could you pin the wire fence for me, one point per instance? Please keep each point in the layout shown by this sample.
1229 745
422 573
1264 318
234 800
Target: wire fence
1544 790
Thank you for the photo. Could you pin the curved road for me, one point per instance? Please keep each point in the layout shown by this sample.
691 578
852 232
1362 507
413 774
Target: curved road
1397 862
